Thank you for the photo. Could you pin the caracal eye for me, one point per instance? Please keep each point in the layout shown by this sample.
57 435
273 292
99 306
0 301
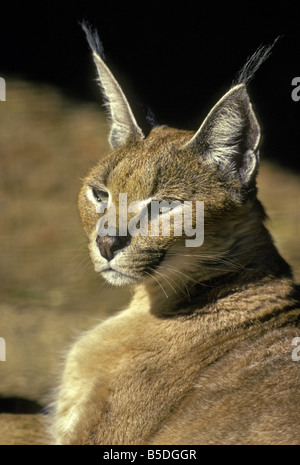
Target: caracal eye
163 210
100 195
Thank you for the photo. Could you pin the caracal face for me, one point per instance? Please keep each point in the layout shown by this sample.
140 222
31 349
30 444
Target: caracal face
159 168
209 174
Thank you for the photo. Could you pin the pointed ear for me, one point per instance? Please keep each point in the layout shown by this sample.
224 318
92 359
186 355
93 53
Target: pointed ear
124 128
229 135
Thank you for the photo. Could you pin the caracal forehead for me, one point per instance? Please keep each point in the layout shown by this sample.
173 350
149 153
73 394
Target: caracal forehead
139 170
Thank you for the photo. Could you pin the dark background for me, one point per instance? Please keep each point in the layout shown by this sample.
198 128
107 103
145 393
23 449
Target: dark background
177 58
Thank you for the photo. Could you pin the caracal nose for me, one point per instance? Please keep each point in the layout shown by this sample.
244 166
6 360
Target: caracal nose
110 245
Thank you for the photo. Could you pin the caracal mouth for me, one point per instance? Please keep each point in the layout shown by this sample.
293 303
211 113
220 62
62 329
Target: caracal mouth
118 278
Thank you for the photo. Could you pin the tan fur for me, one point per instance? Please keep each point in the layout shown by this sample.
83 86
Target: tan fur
203 353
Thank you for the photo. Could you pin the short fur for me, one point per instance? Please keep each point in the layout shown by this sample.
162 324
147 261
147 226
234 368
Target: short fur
203 353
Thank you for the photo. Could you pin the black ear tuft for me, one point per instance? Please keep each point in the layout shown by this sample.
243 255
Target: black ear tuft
253 63
151 118
93 39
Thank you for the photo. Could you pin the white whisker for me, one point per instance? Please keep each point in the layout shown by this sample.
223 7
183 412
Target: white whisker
173 270
166 279
189 278
151 275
